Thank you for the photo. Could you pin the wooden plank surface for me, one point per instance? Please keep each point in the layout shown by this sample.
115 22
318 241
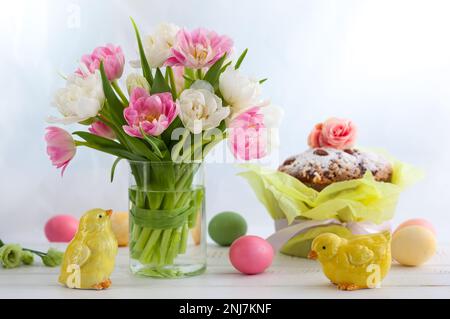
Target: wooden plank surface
288 277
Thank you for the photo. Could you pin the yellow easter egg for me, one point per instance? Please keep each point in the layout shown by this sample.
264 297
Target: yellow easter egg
119 223
413 245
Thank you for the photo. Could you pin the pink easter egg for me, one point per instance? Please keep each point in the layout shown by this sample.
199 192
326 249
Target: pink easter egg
61 228
417 222
251 254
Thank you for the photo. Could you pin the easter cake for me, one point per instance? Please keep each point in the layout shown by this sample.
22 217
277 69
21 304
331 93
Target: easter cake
322 166
333 187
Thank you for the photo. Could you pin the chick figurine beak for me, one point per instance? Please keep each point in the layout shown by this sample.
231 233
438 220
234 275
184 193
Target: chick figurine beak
89 258
313 255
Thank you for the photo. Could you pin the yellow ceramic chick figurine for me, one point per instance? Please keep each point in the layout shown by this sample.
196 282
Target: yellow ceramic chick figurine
89 258
359 262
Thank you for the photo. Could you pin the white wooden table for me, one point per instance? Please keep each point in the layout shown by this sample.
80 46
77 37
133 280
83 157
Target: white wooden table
288 277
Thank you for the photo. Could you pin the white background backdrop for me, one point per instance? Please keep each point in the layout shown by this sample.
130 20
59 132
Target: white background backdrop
385 64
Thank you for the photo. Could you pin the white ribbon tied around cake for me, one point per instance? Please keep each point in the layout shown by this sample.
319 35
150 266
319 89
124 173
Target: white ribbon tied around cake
284 232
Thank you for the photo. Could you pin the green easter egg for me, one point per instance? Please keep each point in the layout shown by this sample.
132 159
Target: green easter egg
226 227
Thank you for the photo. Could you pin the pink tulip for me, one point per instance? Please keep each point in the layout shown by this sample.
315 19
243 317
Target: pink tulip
248 135
153 113
101 129
113 61
60 147
199 48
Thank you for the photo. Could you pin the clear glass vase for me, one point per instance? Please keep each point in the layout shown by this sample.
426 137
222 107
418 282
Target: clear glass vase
167 220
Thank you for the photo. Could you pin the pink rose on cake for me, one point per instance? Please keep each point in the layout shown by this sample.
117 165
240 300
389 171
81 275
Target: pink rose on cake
335 133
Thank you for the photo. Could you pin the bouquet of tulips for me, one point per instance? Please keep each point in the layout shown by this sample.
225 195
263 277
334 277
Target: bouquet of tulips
188 96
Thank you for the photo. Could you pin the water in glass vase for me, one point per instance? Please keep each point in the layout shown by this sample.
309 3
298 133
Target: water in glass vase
166 232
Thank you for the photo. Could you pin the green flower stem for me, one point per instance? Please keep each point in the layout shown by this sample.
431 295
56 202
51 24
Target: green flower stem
173 86
184 238
122 96
136 232
179 146
198 151
143 238
36 252
209 146
164 245
174 245
199 74
168 202
160 247
149 247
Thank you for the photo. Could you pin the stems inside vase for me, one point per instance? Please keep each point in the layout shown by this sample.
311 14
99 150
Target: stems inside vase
164 203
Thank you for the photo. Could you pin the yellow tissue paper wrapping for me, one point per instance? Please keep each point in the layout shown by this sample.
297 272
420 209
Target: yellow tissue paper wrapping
357 200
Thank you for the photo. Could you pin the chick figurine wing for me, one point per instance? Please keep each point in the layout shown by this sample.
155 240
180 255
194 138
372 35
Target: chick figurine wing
89 258
358 262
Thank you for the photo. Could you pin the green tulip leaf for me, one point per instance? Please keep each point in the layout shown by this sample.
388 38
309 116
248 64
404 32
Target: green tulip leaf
113 168
157 145
114 105
146 71
213 74
159 83
240 59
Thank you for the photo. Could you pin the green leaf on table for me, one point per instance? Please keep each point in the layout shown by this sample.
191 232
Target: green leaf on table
113 168
159 83
262 81
240 59
114 105
213 74
146 71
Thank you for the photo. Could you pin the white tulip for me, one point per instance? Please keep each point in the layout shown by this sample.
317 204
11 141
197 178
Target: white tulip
241 92
200 108
81 99
135 80
157 45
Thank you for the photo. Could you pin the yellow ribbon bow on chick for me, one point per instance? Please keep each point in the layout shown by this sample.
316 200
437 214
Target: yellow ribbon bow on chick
89 258
358 262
